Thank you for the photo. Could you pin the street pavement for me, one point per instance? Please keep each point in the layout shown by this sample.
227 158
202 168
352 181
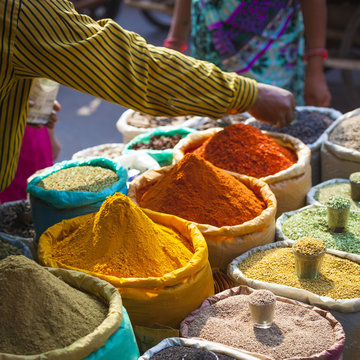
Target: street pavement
86 121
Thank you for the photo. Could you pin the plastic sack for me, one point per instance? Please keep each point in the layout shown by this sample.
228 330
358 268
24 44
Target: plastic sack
280 236
346 311
217 348
109 151
315 146
113 338
129 132
49 207
338 161
333 353
311 197
161 300
226 242
290 186
18 243
163 157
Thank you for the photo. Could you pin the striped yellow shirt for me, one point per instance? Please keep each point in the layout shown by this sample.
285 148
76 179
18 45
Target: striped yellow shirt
48 38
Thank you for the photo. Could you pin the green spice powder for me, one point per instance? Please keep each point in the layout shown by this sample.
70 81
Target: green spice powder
80 178
338 279
342 189
312 222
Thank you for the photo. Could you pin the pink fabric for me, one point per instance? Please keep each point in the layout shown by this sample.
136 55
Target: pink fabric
35 154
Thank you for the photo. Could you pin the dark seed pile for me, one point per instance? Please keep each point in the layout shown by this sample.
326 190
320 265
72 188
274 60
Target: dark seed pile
6 249
16 219
188 353
158 142
309 126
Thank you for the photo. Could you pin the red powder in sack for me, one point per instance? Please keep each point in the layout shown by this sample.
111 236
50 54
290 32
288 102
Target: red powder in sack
198 191
244 149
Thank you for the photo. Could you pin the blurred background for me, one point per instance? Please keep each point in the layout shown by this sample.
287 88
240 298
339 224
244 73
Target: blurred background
86 121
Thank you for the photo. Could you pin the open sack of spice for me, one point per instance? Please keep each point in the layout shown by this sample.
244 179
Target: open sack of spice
340 151
309 125
336 288
233 212
177 348
60 314
296 330
313 221
133 123
73 188
280 160
320 194
158 143
159 263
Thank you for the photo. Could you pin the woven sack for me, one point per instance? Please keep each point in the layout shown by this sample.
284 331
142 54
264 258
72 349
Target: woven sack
161 300
129 132
113 338
227 242
338 161
346 311
216 348
315 146
290 186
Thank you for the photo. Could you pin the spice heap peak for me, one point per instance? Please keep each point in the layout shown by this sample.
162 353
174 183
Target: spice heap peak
198 191
244 149
122 241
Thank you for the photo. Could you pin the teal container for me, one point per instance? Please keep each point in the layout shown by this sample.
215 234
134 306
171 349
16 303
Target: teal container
163 157
49 207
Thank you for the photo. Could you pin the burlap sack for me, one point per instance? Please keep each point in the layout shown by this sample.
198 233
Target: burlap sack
346 311
338 161
290 186
227 242
113 338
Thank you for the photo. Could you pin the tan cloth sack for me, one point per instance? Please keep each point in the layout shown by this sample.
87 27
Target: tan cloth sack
227 242
290 186
346 311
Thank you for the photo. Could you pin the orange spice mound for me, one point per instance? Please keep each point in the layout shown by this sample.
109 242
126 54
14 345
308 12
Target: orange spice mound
122 241
198 191
244 149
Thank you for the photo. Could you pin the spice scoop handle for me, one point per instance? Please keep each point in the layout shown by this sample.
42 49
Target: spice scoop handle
295 117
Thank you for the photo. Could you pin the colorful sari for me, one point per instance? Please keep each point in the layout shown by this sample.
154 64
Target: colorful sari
260 39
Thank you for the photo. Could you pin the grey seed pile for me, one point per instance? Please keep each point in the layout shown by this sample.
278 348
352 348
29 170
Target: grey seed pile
7 249
296 331
347 133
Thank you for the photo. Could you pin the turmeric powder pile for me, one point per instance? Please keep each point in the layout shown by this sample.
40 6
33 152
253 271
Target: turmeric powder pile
198 191
122 241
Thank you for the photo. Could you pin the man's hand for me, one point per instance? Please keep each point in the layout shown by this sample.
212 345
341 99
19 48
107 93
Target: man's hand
274 106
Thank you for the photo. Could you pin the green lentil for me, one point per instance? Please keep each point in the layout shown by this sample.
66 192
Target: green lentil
309 246
338 202
312 222
339 278
342 189
7 249
80 178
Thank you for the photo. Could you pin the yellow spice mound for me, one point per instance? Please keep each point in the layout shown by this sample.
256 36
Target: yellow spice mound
121 240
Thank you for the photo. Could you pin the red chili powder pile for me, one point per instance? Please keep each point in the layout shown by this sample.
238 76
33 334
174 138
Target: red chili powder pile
198 191
244 149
